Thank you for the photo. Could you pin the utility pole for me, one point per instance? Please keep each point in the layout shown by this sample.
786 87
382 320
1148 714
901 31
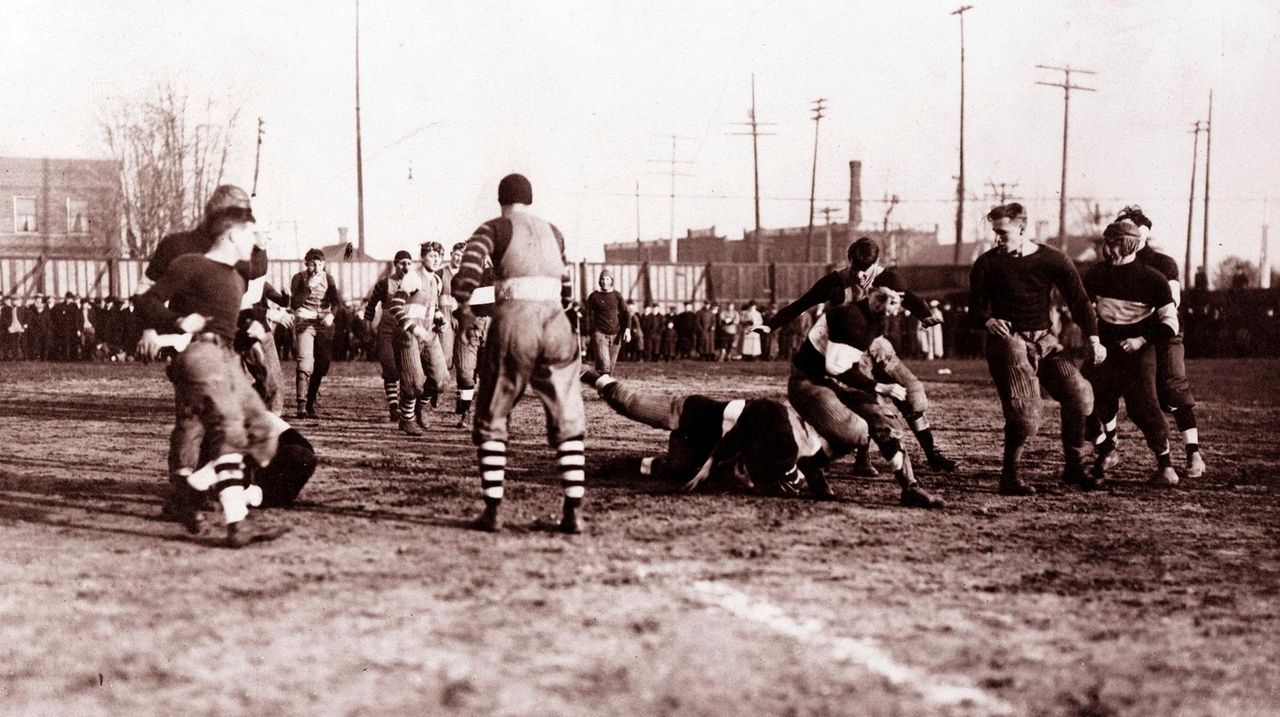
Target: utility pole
639 243
257 155
1001 191
673 254
1191 204
826 215
1066 117
819 105
755 134
1208 155
959 12
359 155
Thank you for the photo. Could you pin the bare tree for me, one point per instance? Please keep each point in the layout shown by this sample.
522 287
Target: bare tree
1235 273
168 164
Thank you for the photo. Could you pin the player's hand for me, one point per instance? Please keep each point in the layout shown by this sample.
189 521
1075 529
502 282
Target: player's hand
281 317
999 327
626 336
761 329
256 331
149 344
328 320
466 319
1099 351
929 321
892 390
421 333
1133 344
191 323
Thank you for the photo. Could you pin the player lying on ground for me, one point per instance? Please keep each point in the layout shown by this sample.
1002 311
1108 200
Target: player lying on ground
854 283
1135 316
836 380
758 444
216 405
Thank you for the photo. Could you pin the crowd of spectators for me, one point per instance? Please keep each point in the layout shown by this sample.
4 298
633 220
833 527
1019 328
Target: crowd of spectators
42 328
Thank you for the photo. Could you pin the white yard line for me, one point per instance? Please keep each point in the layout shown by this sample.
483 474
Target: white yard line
862 652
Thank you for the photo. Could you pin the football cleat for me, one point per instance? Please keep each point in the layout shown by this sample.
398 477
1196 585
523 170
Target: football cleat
913 496
1195 465
1164 476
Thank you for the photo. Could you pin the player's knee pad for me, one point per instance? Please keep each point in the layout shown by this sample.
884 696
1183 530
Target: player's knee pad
1021 419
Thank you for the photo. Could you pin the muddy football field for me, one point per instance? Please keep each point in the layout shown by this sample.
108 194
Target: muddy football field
1136 601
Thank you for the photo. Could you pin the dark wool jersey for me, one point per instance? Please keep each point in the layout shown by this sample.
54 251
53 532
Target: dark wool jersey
845 331
1018 289
846 286
195 284
1133 300
607 311
1162 263
197 241
757 431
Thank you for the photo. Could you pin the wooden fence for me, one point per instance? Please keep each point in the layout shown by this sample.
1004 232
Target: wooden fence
644 282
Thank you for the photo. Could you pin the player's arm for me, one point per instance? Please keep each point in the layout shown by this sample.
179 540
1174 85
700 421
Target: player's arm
151 305
566 277
256 266
478 250
377 296
917 307
298 290
823 289
1068 281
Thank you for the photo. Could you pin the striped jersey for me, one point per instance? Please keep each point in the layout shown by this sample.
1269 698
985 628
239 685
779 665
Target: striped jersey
519 245
839 345
1132 300
410 309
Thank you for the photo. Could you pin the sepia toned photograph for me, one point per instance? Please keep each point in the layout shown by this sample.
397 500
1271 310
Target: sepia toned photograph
373 357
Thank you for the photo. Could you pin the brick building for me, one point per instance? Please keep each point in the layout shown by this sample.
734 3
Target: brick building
59 207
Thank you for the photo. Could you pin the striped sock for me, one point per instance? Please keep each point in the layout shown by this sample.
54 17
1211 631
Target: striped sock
492 456
408 407
392 390
229 485
571 461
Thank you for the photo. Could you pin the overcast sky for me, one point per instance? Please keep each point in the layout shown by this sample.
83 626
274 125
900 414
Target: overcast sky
579 96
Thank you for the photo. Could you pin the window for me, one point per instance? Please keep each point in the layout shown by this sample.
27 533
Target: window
77 216
24 215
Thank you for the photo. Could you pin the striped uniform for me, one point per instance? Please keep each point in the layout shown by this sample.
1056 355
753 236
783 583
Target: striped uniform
848 285
529 344
312 299
1133 300
762 437
423 371
385 339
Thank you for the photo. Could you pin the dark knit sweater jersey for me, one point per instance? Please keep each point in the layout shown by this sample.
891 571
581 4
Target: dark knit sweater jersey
606 311
1018 289
194 284
520 245
197 241
846 286
1130 299
761 438
853 325
1162 263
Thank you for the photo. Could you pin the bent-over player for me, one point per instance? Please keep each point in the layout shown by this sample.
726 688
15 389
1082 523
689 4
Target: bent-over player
216 405
1136 315
530 345
835 385
851 284
423 370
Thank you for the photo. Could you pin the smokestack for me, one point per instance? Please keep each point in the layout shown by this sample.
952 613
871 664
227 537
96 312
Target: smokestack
855 194
342 238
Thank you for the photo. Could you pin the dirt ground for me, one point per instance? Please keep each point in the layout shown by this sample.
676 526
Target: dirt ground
1135 602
